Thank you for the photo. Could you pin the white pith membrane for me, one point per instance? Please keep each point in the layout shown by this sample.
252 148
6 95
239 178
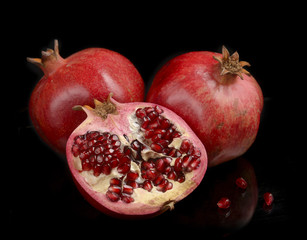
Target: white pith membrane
144 201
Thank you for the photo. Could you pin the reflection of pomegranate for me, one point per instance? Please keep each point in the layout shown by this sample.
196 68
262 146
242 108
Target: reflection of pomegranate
87 74
216 96
134 160
221 184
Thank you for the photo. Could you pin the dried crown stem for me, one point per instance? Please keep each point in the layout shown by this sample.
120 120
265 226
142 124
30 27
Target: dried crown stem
231 64
102 109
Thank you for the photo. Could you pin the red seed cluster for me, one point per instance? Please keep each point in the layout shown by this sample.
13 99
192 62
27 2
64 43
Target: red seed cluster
99 152
102 152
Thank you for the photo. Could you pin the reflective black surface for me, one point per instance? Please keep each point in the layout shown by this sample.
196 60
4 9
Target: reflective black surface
41 194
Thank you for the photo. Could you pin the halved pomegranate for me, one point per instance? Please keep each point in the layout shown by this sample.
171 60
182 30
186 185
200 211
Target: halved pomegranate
134 160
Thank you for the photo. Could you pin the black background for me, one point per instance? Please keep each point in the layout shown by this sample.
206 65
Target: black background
40 192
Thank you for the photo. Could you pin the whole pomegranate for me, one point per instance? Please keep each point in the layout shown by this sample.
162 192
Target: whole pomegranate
87 74
216 96
134 160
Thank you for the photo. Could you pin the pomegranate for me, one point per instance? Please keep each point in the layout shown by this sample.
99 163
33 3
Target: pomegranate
134 160
87 74
216 96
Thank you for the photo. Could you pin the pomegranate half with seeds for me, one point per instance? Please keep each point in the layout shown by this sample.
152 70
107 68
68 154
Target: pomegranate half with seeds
134 160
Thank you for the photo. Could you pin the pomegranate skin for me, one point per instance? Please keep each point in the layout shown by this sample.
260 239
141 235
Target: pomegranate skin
223 110
87 74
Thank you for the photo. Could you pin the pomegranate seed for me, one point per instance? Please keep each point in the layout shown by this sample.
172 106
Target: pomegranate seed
169 134
164 185
123 168
185 145
136 145
78 140
172 175
86 166
268 198
112 196
127 189
125 159
127 199
158 109
168 186
140 113
178 164
153 125
172 152
150 174
160 165
176 134
194 164
156 138
132 176
180 177
167 160
156 147
116 144
153 115
224 203
196 152
133 184
185 161
241 183
149 133
158 180
115 189
147 185
145 123
115 181
106 169
97 170
164 143
147 165
75 150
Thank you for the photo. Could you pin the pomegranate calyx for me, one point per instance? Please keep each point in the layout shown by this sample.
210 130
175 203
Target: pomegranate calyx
50 60
231 64
102 109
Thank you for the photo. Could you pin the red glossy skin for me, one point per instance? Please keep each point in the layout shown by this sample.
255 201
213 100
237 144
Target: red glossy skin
224 111
77 80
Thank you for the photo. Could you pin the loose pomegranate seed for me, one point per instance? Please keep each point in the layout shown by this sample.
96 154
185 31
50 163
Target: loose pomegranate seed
241 183
224 203
268 198
103 152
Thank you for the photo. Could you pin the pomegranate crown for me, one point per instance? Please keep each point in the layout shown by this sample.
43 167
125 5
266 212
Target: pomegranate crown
102 109
231 64
50 60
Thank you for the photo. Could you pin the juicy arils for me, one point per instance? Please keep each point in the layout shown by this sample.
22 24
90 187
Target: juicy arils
134 159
